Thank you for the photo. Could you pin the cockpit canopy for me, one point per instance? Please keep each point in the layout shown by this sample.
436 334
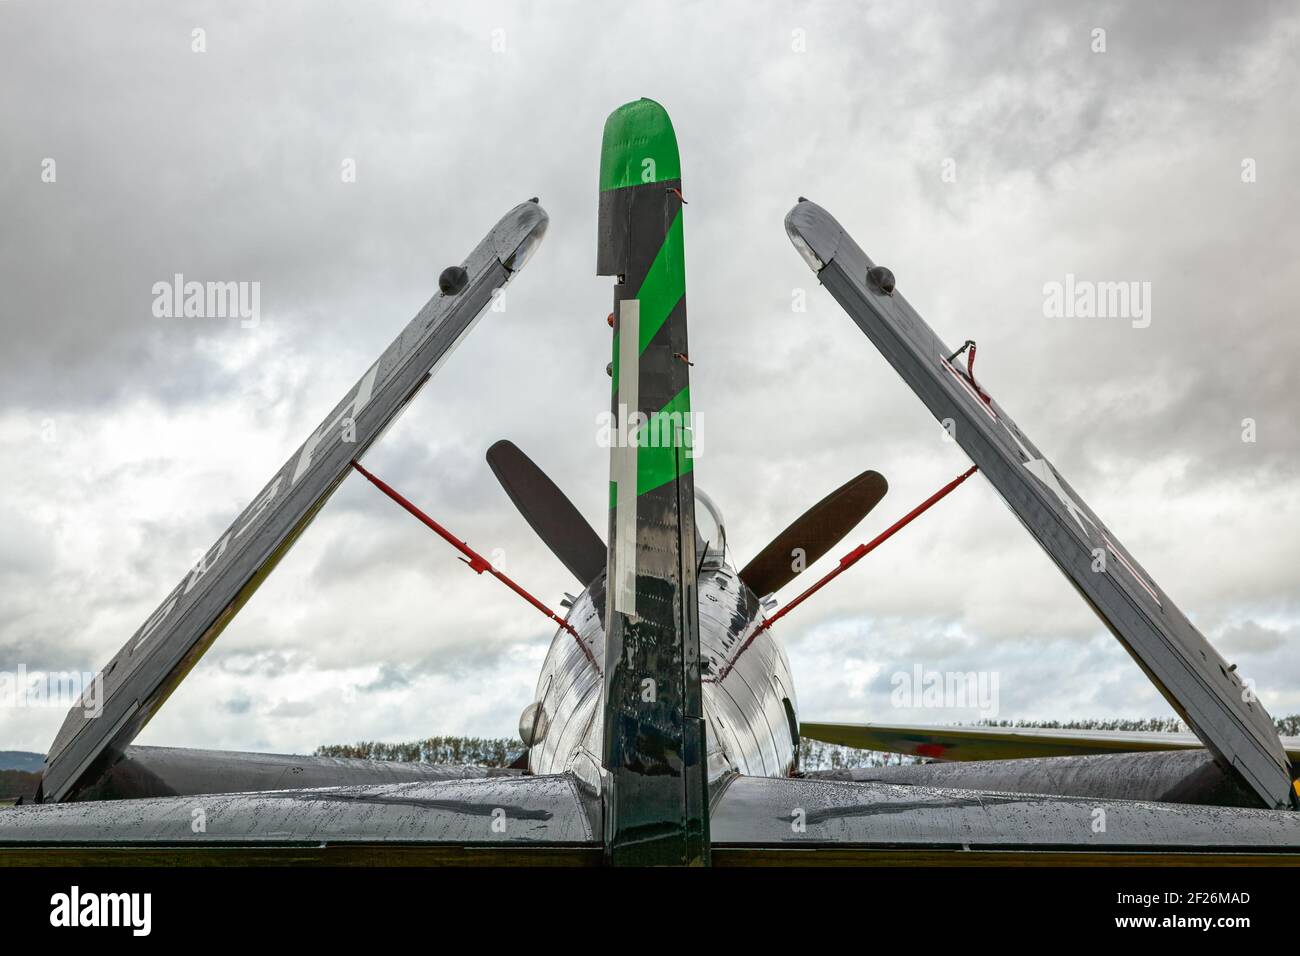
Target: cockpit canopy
710 529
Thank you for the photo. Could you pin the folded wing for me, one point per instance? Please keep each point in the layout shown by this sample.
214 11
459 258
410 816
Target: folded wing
1199 684
159 655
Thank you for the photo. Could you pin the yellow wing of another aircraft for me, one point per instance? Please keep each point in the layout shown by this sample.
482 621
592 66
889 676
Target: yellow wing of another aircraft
1002 743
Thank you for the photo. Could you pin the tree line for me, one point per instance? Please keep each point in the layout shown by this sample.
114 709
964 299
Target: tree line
483 751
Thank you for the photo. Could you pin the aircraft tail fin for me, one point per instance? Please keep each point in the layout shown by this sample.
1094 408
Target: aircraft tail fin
654 724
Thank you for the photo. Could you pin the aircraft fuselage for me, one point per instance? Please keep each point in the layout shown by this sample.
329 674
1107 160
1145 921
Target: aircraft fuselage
749 701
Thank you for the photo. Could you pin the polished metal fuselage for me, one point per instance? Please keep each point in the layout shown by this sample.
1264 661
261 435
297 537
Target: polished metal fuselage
748 693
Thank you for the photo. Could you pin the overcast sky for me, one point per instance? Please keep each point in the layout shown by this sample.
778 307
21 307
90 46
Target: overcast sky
129 442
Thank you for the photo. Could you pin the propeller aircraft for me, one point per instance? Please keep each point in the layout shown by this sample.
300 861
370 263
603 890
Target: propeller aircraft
665 728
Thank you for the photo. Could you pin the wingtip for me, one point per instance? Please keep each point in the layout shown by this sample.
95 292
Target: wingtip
497 447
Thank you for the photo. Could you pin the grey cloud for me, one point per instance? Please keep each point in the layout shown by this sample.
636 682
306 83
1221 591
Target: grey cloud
227 165
1251 637
390 678
292 709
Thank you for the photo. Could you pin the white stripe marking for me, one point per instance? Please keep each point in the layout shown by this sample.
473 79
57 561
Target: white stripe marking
1110 545
625 458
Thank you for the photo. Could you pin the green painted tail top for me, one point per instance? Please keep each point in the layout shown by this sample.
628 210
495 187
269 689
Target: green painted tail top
639 146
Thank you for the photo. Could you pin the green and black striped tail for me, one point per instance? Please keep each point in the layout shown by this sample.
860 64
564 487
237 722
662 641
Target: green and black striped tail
657 807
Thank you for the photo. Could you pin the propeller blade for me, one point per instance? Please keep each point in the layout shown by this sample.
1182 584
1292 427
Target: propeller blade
548 512
816 531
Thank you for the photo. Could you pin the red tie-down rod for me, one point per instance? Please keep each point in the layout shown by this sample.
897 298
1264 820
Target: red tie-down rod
862 550
846 562
477 563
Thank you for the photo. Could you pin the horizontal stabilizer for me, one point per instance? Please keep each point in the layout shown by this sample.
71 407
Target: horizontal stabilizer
900 822
494 811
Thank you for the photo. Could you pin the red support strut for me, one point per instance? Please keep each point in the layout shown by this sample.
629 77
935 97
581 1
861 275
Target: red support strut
477 563
846 562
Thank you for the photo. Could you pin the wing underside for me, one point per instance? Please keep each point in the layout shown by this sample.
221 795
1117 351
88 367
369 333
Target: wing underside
158 656
1201 687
